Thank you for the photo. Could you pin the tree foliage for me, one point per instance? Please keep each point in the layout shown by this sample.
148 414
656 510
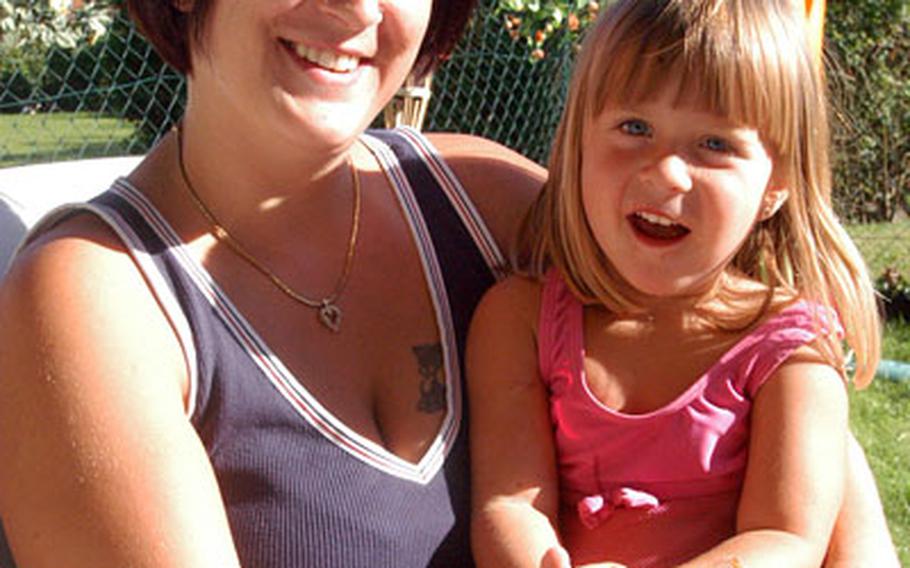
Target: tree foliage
543 23
868 42
30 29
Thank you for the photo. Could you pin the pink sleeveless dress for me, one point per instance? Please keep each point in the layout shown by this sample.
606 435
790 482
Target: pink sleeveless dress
654 489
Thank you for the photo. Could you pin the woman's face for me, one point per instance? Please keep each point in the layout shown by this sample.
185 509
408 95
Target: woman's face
316 72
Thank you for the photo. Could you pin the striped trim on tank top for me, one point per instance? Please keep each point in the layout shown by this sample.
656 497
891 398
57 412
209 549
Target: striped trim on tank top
281 378
458 197
154 279
275 371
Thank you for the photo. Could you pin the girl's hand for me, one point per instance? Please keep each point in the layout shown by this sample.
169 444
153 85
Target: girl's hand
556 557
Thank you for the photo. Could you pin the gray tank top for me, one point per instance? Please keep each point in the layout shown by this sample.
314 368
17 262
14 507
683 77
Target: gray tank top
301 489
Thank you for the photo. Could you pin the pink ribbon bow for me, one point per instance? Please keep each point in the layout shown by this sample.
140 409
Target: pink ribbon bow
595 509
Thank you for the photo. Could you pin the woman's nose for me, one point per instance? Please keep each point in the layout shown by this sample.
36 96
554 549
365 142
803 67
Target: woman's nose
671 172
355 13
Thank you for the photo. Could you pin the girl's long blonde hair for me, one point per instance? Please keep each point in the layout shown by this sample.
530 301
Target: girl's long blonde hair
750 61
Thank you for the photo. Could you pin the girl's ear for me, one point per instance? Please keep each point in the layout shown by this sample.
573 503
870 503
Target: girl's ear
185 6
774 199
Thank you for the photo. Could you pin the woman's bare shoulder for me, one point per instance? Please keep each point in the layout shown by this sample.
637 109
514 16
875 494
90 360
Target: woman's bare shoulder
75 290
93 425
501 182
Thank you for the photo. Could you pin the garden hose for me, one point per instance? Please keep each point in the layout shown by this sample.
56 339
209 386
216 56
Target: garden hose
887 369
893 370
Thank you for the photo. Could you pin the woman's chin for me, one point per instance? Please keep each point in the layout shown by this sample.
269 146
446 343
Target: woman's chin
328 124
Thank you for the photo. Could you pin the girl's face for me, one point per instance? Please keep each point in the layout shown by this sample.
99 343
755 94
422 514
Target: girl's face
314 71
671 192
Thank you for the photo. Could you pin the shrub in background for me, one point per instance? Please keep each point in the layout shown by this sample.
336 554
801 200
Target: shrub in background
54 56
32 31
869 45
895 294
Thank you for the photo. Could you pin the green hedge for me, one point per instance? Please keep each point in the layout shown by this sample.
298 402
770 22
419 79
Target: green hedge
869 50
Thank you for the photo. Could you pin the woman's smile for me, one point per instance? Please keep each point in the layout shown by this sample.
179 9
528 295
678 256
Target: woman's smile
326 66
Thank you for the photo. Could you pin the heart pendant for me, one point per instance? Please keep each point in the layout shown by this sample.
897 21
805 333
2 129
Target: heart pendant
330 316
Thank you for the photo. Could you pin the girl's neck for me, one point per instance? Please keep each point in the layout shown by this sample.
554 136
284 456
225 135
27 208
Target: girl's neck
732 302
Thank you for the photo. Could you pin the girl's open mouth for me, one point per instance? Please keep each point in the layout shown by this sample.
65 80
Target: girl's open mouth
657 228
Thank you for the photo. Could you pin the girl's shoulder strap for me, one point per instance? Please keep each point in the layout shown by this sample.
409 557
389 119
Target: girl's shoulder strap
763 350
560 333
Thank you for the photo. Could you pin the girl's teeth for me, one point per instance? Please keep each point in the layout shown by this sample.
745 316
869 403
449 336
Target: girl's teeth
336 62
657 226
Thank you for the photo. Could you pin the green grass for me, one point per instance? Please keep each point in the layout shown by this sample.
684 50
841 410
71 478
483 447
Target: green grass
880 418
51 137
880 415
884 245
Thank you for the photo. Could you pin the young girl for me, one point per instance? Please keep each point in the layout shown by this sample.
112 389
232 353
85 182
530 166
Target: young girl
668 386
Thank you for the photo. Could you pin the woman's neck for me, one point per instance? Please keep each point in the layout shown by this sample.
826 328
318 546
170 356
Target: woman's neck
245 174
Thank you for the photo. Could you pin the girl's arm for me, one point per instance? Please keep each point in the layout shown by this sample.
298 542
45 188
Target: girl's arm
100 465
861 536
795 476
514 483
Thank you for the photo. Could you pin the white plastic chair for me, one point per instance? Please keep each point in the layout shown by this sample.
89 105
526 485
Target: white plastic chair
28 192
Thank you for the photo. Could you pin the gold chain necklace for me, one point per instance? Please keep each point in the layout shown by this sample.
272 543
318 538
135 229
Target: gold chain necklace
328 311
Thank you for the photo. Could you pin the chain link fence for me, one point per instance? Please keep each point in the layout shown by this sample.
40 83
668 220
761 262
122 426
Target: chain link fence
491 88
105 92
115 96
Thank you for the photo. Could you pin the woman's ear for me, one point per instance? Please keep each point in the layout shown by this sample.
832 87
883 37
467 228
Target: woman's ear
774 199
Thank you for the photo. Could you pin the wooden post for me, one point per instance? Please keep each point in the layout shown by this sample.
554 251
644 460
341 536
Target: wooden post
409 105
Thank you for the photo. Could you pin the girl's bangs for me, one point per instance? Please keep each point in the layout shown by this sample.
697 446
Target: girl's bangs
714 61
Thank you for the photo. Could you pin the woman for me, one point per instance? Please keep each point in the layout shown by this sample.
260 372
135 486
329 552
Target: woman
255 355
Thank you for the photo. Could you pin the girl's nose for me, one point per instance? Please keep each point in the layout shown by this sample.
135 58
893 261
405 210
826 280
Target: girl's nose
670 172
355 13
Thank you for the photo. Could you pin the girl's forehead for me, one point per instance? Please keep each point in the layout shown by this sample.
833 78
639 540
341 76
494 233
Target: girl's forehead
669 87
682 85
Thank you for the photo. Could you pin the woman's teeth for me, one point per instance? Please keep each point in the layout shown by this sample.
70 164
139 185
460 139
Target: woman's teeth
655 219
332 61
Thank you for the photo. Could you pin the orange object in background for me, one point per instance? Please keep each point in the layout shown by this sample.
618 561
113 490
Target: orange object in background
815 20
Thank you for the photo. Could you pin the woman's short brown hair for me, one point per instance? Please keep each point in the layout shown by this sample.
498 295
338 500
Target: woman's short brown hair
170 29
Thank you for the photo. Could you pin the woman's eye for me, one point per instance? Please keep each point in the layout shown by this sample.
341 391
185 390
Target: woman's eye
635 127
715 144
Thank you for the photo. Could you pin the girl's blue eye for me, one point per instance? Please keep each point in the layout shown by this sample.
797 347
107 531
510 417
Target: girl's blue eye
635 127
717 145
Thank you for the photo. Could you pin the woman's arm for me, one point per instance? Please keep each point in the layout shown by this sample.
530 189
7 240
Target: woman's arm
795 474
861 536
501 182
100 465
514 483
